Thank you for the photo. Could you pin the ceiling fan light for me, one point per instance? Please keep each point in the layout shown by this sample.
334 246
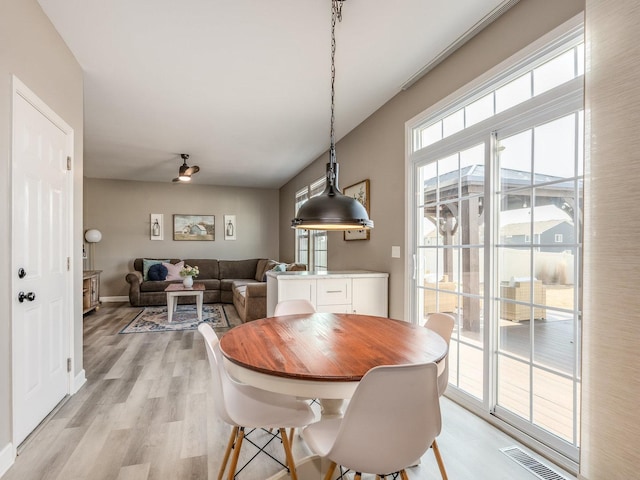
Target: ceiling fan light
184 178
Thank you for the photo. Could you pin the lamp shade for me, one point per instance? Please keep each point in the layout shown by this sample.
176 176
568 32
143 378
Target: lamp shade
93 236
332 210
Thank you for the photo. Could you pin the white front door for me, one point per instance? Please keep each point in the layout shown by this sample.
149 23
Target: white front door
40 276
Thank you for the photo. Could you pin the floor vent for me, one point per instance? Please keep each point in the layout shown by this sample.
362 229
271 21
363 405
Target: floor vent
534 466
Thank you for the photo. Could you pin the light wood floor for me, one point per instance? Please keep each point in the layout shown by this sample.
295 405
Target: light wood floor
146 413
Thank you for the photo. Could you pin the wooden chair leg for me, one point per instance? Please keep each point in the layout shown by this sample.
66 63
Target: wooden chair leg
236 454
286 443
403 475
223 466
358 476
291 432
436 452
332 468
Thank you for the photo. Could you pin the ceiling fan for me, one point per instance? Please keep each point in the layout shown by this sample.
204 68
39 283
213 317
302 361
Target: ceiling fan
185 172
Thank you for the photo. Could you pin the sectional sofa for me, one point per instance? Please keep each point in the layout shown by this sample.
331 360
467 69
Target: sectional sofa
241 282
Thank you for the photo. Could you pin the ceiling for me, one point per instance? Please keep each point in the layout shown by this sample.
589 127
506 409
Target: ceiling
242 86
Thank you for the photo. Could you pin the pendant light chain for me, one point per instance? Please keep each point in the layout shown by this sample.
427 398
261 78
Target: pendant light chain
331 209
336 16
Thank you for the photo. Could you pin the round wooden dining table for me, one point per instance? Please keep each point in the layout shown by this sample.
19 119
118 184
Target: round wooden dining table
323 355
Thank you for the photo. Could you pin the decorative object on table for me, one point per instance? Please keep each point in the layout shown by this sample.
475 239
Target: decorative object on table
185 171
360 192
157 226
155 319
331 210
229 227
194 227
188 273
92 236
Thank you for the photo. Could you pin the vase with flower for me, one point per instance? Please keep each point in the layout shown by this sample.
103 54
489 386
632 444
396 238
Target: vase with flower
189 273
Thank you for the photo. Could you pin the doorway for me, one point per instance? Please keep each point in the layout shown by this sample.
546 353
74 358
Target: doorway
496 214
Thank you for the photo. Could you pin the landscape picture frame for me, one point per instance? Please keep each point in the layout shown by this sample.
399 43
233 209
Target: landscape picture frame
359 191
194 228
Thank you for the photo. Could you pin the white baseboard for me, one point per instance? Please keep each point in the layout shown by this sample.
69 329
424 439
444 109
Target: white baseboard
122 298
7 457
78 381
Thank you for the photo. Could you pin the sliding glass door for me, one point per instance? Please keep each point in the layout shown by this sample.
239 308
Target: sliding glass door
496 227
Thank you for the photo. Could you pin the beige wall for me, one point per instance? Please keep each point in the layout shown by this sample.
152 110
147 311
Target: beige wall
121 209
611 336
376 148
31 49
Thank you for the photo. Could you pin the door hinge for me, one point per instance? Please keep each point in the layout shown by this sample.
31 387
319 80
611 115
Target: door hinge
68 163
69 364
68 263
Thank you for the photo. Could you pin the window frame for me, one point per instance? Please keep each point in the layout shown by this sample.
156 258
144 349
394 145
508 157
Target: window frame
317 258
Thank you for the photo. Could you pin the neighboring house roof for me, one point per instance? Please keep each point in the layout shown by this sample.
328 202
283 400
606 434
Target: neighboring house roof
525 228
516 222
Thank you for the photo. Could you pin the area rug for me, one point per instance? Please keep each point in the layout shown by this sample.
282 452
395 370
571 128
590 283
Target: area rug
155 319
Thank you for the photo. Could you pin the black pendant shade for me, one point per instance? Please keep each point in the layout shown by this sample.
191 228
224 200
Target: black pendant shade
331 210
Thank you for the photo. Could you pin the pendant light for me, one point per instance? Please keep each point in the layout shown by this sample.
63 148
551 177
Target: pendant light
331 210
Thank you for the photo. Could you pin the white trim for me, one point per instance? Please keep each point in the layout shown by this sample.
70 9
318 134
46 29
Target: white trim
116 298
19 89
78 381
501 72
7 458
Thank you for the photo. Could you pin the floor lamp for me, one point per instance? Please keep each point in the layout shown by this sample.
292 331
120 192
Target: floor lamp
92 236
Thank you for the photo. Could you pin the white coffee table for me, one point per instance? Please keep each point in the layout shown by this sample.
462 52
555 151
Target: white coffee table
176 290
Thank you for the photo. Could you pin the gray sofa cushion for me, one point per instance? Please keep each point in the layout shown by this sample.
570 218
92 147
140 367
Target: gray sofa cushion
208 268
237 268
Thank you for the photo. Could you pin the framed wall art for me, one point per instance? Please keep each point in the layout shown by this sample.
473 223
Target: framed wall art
229 227
359 191
194 227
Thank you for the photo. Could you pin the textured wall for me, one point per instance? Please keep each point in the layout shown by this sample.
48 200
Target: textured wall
121 209
611 335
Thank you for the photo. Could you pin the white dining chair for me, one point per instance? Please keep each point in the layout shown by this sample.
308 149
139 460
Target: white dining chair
291 307
243 406
442 324
392 419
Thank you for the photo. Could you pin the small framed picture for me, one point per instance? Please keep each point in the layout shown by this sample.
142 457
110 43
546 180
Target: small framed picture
194 227
359 191
229 227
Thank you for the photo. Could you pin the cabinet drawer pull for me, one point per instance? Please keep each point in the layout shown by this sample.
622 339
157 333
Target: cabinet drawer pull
333 291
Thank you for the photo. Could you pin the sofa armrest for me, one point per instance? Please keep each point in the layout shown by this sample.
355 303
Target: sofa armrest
256 290
134 279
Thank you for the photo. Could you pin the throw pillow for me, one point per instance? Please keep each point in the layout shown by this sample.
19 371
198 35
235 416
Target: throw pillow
146 265
279 267
157 272
173 270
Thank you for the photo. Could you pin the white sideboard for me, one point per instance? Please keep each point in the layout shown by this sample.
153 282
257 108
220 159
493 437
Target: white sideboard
355 291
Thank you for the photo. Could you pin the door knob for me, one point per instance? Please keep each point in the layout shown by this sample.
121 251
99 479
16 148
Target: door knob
30 296
21 273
